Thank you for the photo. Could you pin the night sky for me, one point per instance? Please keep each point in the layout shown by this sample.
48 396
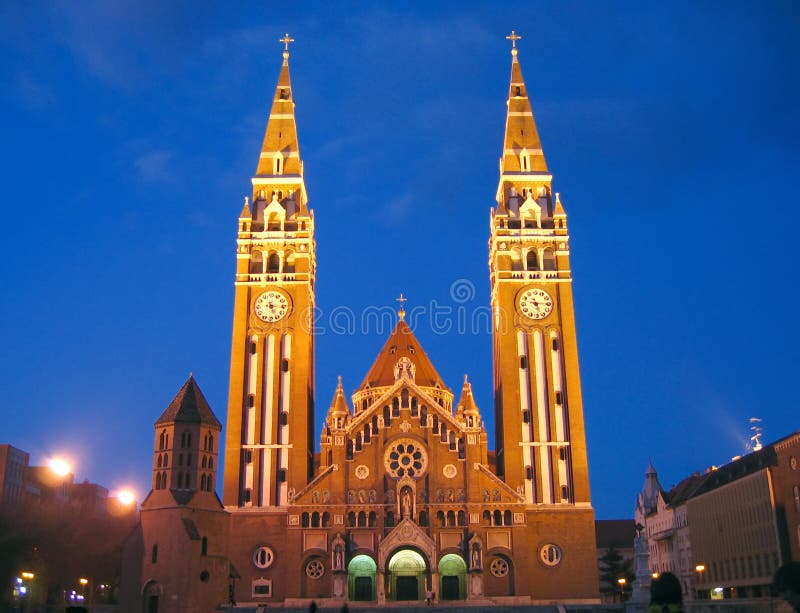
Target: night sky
130 131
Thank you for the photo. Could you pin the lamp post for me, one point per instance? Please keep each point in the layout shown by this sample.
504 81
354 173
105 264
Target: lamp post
699 569
622 581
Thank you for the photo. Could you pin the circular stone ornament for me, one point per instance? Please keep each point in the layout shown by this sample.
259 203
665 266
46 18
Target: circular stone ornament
263 557
449 471
499 567
362 471
550 554
315 569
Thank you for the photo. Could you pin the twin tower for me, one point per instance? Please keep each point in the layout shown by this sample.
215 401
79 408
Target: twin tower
404 498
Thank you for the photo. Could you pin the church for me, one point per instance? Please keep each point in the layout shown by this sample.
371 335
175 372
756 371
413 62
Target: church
404 501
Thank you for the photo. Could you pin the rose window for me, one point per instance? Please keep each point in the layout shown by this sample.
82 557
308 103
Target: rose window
499 567
315 569
406 458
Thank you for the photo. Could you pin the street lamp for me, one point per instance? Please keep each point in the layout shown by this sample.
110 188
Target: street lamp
699 569
655 575
59 466
622 581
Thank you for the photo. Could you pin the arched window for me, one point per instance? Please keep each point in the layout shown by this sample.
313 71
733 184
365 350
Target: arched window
435 424
273 263
204 546
532 260
326 520
203 483
395 407
451 518
462 518
154 554
375 424
498 518
256 264
507 517
548 259
372 519
358 441
423 518
349 453
351 519
162 440
386 417
404 397
159 462
277 163
461 451
315 519
390 518
423 416
487 518
362 519
204 462
440 518
452 437
305 520
210 463
166 460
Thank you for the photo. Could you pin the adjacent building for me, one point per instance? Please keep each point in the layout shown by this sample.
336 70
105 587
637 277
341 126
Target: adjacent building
726 532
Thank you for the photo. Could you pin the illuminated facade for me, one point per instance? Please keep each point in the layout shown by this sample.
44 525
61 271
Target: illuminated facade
404 497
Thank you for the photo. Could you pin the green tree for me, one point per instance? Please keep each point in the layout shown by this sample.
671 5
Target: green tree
612 568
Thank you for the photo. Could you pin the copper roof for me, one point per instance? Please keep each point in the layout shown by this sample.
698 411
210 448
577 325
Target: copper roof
189 406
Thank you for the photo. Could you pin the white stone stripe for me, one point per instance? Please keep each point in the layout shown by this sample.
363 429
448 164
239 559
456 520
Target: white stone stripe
518 151
282 116
520 114
291 154
542 415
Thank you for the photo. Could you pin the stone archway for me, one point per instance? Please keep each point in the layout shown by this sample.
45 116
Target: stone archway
150 597
407 575
361 574
452 577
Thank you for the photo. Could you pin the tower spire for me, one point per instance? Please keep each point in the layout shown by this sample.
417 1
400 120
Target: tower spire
280 151
522 149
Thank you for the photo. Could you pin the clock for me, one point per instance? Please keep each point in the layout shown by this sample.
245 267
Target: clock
535 303
271 306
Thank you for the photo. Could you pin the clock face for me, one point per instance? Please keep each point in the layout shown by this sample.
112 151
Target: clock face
535 304
271 306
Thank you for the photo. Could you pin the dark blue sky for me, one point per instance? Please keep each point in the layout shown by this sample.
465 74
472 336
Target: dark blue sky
130 131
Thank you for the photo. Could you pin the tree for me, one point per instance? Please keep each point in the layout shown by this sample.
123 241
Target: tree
612 568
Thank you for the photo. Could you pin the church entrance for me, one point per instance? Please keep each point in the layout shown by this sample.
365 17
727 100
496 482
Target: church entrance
452 577
407 572
361 578
150 597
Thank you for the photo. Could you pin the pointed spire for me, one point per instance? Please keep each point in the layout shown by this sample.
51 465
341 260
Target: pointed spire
280 152
466 405
522 149
246 214
559 212
339 406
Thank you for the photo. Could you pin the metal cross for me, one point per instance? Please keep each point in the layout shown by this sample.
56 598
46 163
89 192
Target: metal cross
286 40
513 37
401 300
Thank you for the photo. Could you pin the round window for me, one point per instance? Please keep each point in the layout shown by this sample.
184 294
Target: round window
263 557
405 457
550 554
499 567
315 569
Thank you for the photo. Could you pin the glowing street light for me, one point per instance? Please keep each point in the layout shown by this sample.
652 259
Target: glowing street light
656 575
27 575
699 569
59 466
83 581
622 581
126 497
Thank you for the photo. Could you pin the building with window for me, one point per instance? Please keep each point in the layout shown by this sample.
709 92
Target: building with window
403 498
726 532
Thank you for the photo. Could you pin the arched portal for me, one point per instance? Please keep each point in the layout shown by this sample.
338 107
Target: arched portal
361 578
150 596
452 577
407 570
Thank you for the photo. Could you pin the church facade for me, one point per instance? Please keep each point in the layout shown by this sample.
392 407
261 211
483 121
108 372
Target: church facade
404 501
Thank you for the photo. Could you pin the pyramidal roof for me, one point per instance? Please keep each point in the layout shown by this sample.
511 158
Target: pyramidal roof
281 133
521 132
339 403
466 405
189 406
402 343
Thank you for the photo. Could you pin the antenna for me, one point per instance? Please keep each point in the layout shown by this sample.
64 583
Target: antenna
757 430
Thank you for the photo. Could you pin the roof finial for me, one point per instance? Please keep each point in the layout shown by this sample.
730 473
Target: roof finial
286 40
401 311
513 37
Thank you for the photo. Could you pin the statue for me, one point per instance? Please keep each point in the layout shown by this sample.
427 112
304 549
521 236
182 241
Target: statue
405 503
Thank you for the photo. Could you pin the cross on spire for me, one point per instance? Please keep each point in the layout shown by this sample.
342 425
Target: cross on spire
513 37
286 40
402 311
